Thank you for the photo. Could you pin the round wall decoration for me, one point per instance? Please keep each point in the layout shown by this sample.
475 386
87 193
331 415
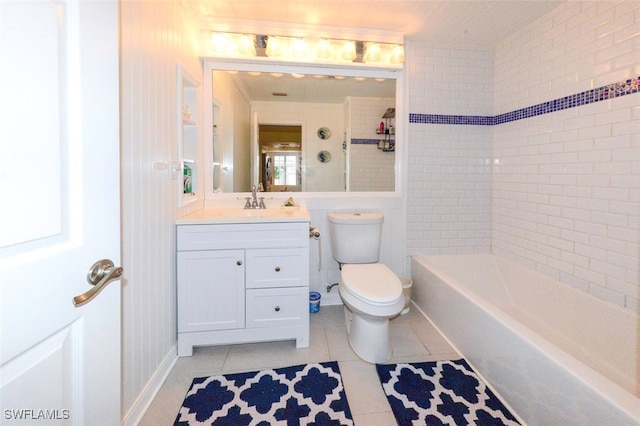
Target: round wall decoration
324 156
324 133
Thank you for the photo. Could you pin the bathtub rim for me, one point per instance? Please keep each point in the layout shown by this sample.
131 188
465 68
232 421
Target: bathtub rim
615 394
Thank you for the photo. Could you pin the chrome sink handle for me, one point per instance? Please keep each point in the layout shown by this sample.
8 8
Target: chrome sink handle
262 205
247 205
101 273
254 202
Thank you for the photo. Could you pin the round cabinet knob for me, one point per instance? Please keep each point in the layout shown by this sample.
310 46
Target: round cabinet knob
277 269
239 262
277 309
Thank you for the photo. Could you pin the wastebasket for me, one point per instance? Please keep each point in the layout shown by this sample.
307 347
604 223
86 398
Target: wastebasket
407 283
314 302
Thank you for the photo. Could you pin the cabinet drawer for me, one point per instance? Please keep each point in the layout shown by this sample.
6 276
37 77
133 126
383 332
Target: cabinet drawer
271 307
277 268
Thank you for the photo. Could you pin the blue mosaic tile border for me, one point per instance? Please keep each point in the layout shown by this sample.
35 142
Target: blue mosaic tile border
472 120
355 141
610 91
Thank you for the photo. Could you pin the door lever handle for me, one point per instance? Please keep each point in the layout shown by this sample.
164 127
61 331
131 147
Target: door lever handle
100 274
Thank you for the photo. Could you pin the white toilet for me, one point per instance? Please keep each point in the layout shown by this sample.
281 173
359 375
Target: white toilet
370 291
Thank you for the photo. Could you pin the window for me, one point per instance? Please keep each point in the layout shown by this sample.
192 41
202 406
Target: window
285 169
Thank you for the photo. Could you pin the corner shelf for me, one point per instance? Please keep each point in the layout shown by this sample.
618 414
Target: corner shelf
388 143
187 137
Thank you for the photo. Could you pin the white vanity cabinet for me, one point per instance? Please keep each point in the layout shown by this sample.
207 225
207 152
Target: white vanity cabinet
244 282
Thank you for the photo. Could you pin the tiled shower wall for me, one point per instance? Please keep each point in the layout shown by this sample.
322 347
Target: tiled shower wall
561 181
449 172
370 169
566 186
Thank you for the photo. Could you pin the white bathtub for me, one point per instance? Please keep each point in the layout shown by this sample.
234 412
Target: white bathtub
556 355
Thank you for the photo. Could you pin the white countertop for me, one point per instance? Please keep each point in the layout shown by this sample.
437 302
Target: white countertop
210 216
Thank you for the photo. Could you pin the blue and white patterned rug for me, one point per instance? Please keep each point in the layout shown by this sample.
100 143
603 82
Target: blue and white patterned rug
310 394
441 393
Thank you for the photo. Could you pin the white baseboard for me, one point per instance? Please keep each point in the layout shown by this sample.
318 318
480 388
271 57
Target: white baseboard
142 403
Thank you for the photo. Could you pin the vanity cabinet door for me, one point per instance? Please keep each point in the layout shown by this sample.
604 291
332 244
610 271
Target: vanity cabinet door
211 292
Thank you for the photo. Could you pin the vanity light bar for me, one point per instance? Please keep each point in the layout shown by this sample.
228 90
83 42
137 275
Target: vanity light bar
305 49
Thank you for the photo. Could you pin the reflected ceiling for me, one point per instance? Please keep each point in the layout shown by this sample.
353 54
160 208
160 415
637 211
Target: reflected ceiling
316 89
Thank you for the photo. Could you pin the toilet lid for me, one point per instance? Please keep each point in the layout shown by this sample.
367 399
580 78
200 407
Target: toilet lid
373 282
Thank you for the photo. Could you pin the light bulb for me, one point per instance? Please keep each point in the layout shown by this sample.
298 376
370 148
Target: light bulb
298 48
373 53
274 47
349 50
397 54
220 42
246 47
324 49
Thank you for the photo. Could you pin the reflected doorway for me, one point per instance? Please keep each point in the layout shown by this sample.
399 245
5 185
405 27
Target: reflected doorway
280 157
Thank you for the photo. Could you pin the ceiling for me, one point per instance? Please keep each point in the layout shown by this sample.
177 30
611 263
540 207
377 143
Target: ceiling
477 22
482 23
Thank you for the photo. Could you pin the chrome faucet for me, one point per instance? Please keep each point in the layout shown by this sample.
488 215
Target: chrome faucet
252 201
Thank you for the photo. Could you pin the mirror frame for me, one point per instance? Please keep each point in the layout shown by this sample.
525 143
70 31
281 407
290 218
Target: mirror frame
347 70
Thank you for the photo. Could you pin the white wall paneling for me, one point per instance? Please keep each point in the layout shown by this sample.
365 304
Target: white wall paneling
155 37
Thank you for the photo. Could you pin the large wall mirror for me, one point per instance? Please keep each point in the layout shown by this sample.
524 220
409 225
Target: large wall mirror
300 129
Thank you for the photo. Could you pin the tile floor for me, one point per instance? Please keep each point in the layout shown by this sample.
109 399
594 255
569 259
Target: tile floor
413 339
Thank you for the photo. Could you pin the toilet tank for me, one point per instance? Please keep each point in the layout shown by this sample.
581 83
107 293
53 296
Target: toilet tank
355 237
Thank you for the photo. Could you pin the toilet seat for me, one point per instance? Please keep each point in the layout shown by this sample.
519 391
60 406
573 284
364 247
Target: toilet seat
372 283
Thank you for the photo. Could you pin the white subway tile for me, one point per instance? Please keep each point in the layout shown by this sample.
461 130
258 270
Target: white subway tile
572 171
607 295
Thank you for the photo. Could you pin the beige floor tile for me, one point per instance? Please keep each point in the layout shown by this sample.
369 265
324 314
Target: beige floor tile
328 316
339 347
255 356
375 419
404 341
412 316
432 339
362 386
165 406
206 361
414 339
422 358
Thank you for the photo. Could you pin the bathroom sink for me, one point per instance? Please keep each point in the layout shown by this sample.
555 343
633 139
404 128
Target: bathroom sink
247 213
240 215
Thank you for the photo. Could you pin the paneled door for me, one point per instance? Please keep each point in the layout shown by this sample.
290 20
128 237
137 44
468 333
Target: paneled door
60 209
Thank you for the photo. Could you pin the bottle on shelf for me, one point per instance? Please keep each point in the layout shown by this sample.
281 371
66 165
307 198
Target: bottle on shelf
187 179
